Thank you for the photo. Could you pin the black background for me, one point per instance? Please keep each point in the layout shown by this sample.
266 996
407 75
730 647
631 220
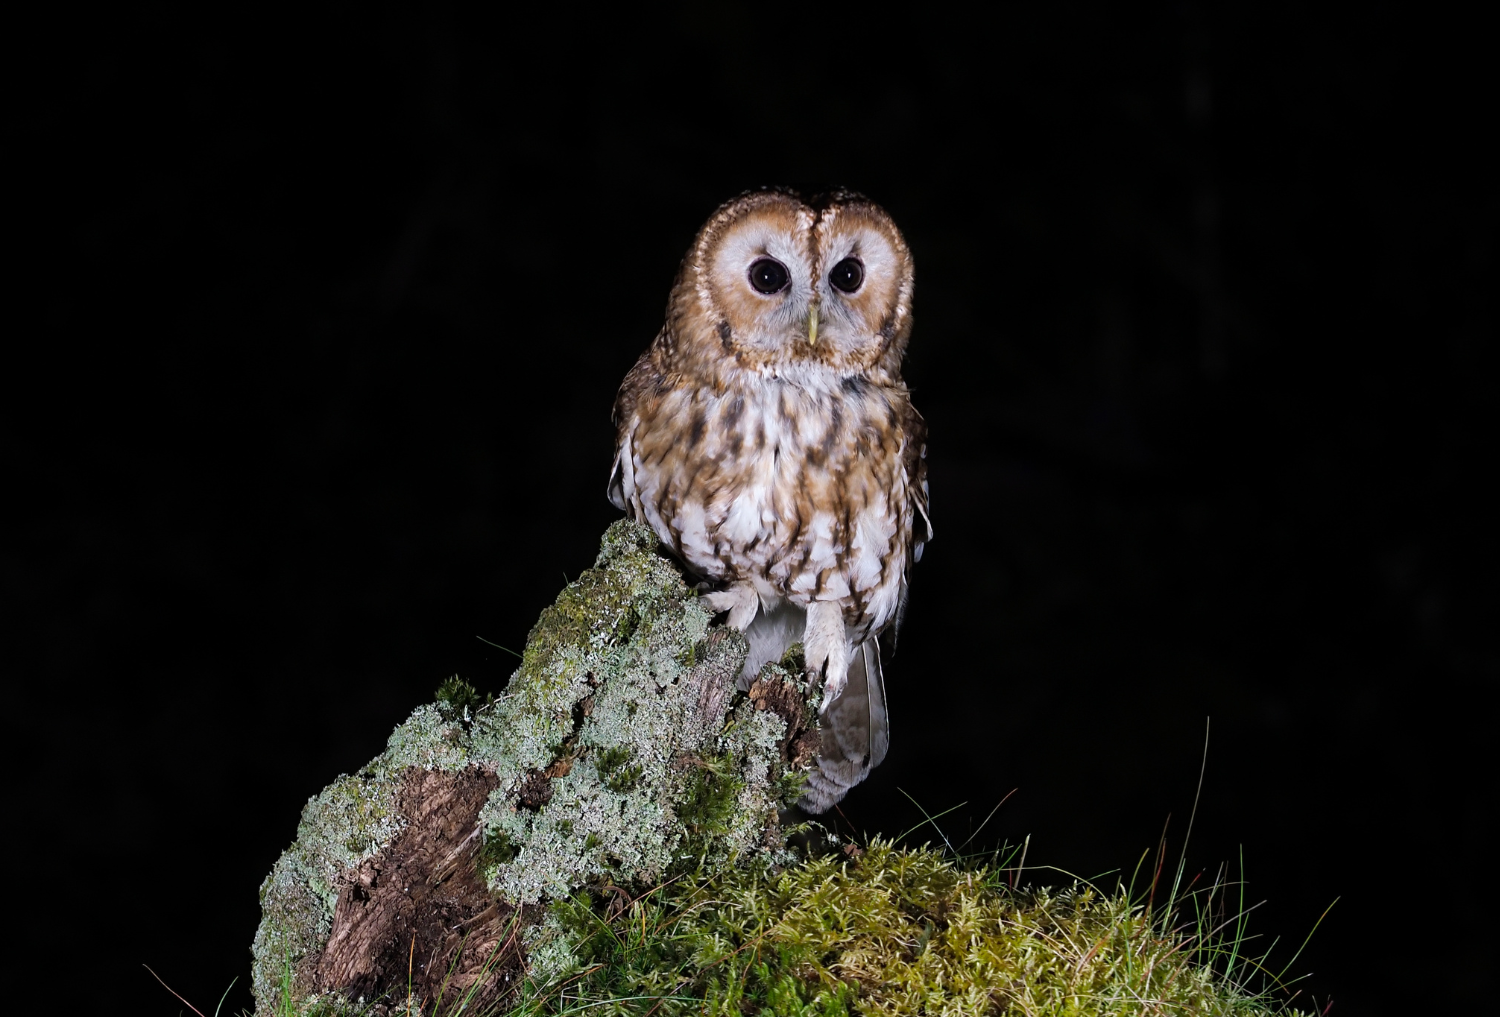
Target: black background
325 317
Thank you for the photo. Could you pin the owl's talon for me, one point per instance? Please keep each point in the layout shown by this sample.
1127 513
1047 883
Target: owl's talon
831 691
827 649
740 600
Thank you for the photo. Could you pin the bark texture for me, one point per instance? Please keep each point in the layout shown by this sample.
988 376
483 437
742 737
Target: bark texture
422 897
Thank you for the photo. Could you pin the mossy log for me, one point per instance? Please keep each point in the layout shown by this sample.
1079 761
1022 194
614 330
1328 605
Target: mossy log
618 754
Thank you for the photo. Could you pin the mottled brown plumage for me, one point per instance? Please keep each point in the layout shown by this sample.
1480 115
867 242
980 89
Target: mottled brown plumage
767 436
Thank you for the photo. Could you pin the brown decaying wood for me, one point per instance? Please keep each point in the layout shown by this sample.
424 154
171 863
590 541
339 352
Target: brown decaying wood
799 746
420 902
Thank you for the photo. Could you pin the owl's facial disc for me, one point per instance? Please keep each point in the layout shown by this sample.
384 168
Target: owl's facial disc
779 284
864 283
759 281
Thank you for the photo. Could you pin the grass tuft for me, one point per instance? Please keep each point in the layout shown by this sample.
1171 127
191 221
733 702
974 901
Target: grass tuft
885 930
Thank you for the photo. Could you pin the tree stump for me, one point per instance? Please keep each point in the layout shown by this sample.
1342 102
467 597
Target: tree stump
618 754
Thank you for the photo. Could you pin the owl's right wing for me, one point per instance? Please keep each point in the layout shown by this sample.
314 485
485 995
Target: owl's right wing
640 379
624 458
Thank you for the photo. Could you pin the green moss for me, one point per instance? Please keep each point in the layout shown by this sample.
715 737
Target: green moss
497 850
615 770
887 932
456 699
790 786
710 796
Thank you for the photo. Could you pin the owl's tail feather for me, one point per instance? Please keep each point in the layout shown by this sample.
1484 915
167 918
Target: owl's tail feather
855 733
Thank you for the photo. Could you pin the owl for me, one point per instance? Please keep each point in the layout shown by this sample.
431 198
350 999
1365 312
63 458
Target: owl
768 439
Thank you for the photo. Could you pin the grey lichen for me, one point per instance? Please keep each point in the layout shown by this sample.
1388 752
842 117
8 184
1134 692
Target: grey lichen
618 756
594 712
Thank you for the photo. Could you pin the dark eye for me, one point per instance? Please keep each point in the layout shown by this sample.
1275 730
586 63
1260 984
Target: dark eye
847 275
768 275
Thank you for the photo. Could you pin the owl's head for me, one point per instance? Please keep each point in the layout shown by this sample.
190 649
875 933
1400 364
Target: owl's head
775 284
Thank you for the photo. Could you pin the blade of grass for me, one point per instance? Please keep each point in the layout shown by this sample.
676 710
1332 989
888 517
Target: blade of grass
452 967
484 968
987 819
497 646
1239 929
173 991
1182 861
930 819
1308 939
410 957
225 996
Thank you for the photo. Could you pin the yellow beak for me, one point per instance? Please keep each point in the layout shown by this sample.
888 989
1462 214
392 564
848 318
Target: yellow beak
812 326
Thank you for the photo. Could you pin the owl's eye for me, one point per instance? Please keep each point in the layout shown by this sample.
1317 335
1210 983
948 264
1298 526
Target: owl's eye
768 275
847 275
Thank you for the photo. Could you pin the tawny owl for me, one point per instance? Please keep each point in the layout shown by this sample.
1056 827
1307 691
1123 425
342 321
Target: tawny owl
767 436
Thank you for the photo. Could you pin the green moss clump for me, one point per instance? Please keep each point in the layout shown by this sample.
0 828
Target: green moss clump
887 932
456 699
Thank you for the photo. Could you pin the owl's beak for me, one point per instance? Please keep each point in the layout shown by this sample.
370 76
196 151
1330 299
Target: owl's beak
812 326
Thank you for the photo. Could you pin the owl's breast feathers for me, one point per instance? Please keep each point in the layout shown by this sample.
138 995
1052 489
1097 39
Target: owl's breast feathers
809 489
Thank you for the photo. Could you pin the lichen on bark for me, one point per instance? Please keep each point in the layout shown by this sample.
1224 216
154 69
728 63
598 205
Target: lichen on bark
618 753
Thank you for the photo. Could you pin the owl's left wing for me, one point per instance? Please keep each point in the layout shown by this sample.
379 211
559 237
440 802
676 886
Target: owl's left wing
922 522
914 462
856 726
854 732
